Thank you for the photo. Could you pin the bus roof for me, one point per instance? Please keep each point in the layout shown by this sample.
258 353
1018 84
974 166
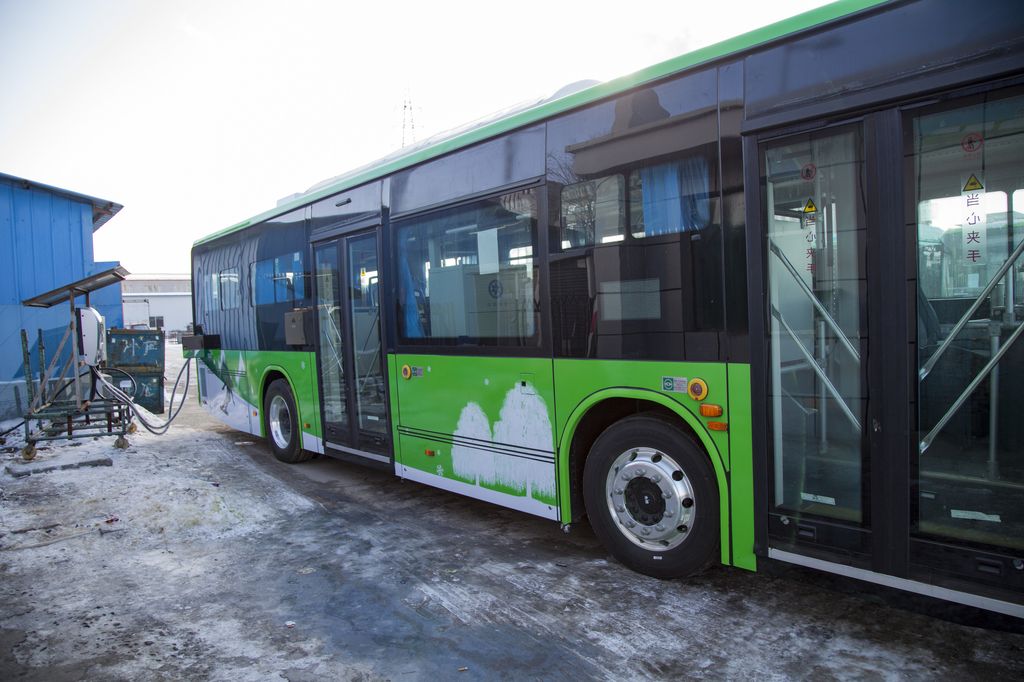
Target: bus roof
536 111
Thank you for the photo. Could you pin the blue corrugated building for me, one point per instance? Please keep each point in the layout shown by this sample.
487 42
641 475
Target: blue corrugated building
45 242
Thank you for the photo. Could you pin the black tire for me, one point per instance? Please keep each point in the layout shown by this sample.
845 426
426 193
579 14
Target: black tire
284 437
641 450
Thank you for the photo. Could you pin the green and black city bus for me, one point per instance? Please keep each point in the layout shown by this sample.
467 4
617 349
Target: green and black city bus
762 302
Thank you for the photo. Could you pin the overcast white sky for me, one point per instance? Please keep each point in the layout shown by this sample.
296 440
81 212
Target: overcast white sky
197 114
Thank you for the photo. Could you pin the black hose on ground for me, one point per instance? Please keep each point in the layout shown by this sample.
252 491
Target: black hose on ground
125 399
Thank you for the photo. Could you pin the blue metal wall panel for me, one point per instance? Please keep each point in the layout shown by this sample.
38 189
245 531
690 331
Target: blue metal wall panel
8 264
22 210
85 213
108 299
45 241
40 241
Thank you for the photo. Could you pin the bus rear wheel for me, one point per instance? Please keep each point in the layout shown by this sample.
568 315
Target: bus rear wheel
281 423
651 497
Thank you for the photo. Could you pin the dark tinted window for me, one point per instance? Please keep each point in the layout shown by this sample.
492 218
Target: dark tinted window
635 209
639 129
347 207
885 48
468 275
734 220
220 290
507 160
230 290
593 212
655 299
670 197
281 279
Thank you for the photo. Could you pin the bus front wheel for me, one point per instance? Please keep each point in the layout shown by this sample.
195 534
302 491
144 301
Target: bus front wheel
651 497
281 423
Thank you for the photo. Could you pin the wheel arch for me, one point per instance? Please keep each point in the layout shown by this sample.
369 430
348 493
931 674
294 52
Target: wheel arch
601 409
272 373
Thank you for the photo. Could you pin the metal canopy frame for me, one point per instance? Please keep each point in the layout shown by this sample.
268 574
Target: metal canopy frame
82 287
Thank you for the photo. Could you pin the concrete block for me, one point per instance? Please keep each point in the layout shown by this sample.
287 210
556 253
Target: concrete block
65 461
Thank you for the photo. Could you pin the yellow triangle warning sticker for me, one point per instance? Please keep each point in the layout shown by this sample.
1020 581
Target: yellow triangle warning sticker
809 207
972 184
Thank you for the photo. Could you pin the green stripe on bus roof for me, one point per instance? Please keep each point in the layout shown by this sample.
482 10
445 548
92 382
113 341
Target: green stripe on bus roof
737 44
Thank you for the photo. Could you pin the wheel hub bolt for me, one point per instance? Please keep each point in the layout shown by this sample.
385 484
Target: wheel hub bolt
656 478
619 508
645 531
667 495
659 527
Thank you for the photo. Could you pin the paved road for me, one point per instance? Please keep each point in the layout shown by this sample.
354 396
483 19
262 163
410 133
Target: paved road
222 548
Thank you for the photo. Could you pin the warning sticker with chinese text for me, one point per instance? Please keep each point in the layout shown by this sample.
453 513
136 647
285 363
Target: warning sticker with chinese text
975 220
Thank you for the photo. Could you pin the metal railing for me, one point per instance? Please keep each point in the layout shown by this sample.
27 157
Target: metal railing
997 350
818 370
965 318
825 316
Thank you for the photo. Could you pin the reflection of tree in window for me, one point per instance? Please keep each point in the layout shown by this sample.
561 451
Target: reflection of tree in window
664 197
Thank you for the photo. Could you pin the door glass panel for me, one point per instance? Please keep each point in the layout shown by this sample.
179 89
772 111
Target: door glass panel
332 367
968 184
364 294
815 258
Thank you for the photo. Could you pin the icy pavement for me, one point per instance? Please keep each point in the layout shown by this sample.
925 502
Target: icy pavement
197 556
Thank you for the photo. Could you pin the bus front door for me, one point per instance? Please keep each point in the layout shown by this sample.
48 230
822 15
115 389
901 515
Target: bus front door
351 366
817 329
894 262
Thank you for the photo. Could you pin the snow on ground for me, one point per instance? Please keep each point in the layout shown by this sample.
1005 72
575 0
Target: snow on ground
106 557
148 494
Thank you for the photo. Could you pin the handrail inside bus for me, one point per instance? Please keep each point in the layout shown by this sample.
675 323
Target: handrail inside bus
806 411
818 370
993 361
965 318
840 335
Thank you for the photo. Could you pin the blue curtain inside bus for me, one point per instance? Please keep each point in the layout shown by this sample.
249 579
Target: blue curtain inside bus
676 196
410 309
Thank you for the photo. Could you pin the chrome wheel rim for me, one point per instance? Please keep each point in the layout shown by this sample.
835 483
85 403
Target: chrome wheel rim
280 422
650 499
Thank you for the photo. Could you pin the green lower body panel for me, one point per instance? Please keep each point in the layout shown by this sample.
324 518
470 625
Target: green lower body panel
482 427
232 383
741 488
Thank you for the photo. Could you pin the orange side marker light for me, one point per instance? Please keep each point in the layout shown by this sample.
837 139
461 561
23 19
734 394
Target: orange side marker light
718 426
709 410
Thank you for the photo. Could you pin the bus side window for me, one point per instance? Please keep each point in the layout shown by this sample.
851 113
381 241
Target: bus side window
213 292
670 197
593 211
280 279
467 275
229 292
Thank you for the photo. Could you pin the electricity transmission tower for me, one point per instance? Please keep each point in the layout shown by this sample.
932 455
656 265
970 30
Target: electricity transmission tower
408 121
